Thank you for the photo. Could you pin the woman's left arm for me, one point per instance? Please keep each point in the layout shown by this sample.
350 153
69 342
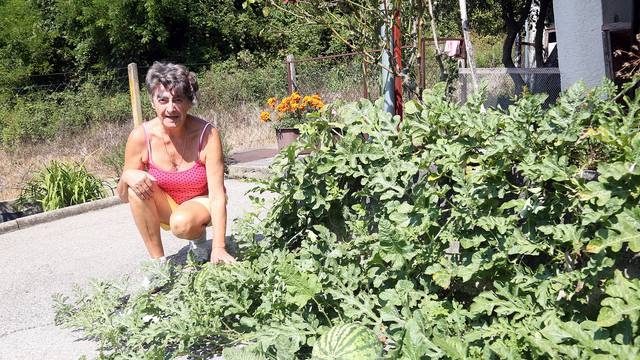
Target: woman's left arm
218 204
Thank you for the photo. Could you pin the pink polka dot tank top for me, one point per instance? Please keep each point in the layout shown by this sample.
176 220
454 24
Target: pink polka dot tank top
181 185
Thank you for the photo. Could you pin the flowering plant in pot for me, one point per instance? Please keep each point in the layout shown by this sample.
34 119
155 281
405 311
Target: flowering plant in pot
287 113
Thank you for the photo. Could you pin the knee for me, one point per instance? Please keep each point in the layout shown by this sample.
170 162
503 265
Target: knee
132 196
183 226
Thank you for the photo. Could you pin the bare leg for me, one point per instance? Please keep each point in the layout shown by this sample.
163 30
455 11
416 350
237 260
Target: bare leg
189 220
147 215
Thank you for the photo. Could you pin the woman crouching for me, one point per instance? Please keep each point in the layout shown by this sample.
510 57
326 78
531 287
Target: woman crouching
173 174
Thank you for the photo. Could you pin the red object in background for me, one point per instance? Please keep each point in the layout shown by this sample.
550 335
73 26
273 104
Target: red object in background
397 54
289 1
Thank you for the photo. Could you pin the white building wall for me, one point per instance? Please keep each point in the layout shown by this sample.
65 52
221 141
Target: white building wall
579 34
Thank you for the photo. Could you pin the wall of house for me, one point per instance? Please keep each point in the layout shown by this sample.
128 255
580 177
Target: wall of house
579 34
616 11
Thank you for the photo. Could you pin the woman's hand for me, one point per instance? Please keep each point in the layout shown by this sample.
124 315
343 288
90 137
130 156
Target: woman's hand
140 182
220 255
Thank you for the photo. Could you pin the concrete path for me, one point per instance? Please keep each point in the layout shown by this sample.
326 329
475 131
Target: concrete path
252 164
47 258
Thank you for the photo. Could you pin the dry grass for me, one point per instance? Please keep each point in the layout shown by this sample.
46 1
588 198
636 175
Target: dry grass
240 128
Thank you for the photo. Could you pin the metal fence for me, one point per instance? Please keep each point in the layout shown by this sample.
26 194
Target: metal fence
502 84
342 76
347 76
110 81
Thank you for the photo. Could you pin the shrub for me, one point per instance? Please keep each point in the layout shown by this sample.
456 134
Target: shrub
59 185
43 115
227 84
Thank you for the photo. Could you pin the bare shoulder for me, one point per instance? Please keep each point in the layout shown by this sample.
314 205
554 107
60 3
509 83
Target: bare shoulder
136 150
209 131
211 143
136 136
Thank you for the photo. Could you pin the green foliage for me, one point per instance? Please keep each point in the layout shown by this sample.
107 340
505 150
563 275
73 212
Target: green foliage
247 79
44 115
240 354
42 37
26 44
59 185
456 233
488 50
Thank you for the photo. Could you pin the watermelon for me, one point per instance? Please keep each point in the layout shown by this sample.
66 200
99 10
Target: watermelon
240 354
347 342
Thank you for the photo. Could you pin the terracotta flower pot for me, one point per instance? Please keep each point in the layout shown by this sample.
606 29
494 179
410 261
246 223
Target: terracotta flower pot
286 136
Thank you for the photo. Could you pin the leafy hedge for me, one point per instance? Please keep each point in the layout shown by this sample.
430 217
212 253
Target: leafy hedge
458 233
44 115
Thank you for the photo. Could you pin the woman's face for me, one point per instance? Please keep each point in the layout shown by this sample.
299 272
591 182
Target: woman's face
171 107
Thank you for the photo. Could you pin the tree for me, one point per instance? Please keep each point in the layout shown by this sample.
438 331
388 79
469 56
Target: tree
514 14
545 8
26 44
47 36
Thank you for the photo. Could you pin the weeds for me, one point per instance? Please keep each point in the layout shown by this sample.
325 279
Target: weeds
59 185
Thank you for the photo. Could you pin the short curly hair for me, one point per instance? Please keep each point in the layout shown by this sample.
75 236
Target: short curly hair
174 77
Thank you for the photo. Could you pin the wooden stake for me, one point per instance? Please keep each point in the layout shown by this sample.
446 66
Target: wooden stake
467 43
397 55
433 30
134 89
365 88
291 74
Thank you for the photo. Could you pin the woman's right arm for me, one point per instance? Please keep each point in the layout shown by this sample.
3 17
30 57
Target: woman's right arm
133 164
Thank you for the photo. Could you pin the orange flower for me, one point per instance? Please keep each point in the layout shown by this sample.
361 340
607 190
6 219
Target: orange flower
283 106
295 106
307 100
291 109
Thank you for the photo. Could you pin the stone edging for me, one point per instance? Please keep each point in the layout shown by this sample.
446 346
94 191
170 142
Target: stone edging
48 216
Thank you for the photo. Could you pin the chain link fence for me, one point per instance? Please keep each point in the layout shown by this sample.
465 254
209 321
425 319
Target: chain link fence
503 84
233 99
64 103
342 76
349 77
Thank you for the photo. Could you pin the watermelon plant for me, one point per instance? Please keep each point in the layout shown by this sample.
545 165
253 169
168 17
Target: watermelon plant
347 342
454 234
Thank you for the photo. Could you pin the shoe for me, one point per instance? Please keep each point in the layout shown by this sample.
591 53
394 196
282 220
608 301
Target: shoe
200 249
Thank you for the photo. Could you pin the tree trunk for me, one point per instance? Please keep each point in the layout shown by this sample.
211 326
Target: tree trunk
514 21
539 46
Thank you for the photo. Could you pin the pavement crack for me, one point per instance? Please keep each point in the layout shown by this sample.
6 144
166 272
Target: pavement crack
5 334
